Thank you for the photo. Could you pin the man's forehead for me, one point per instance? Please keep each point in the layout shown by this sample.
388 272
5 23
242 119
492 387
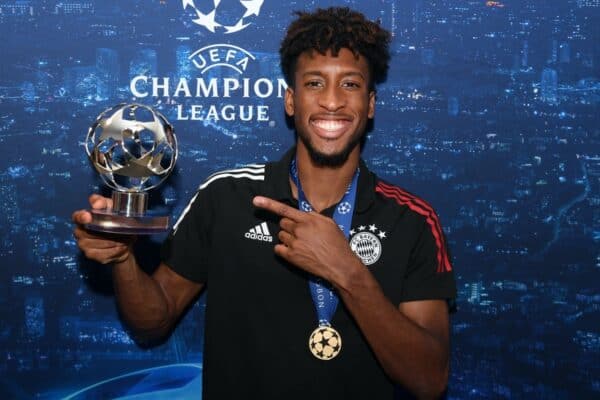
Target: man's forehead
344 57
344 63
330 52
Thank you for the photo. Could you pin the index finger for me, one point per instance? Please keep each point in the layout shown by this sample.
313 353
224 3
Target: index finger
276 207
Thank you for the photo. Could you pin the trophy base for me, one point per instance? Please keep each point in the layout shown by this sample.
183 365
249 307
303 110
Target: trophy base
111 222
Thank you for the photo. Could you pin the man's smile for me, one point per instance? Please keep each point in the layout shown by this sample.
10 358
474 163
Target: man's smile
330 127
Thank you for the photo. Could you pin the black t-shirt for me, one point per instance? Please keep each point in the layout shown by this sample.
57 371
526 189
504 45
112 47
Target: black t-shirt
259 309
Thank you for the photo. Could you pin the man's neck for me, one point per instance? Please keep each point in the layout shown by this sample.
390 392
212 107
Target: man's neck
324 186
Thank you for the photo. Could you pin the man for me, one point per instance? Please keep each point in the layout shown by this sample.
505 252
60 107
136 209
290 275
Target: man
266 241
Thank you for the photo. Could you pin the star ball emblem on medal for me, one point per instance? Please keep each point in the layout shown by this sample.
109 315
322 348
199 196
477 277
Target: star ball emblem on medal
325 343
366 243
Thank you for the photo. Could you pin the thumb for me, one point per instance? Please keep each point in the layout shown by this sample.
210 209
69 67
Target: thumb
81 217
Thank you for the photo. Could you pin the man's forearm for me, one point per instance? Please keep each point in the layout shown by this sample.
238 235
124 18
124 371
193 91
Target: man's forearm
141 301
412 355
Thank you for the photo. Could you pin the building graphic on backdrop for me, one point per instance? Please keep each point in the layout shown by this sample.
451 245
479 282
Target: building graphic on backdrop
490 111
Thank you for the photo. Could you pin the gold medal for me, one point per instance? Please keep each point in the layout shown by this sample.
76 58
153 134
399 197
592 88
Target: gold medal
325 343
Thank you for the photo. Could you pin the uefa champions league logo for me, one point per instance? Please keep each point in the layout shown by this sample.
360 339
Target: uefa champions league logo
221 89
216 14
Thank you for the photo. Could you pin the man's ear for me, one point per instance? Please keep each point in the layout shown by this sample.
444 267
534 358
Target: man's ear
372 98
289 101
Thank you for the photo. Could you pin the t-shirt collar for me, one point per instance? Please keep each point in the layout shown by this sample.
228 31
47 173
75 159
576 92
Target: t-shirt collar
277 182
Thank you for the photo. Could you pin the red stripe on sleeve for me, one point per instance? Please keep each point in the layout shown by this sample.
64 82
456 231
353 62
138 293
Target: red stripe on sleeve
420 207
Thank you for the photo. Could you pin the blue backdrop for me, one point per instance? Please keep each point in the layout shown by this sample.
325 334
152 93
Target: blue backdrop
490 112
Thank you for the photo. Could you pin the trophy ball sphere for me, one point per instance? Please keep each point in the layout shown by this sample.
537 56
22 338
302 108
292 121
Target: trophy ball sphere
132 146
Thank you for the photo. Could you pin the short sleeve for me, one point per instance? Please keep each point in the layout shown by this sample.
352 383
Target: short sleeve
429 274
186 249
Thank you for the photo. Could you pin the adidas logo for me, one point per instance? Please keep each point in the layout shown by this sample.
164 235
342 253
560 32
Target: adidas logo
259 232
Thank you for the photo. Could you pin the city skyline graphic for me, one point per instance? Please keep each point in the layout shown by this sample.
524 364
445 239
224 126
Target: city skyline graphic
490 112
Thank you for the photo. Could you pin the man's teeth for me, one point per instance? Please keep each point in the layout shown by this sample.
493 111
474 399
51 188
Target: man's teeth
330 125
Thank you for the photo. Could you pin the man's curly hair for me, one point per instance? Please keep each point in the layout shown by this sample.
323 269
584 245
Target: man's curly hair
332 29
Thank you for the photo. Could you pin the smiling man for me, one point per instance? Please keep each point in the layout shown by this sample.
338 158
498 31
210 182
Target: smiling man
331 103
324 282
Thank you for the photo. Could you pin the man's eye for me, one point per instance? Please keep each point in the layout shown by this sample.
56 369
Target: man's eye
313 84
353 85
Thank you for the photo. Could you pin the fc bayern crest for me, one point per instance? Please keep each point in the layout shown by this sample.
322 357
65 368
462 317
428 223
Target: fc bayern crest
228 16
366 243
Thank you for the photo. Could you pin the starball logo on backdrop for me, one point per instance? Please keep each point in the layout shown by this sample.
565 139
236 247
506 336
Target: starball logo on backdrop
221 69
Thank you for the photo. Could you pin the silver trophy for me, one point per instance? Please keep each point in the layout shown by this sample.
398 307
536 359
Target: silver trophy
133 147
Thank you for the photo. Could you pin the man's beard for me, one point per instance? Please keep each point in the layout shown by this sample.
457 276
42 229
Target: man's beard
330 160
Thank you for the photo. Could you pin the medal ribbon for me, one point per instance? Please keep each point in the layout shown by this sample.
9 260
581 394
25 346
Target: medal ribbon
322 293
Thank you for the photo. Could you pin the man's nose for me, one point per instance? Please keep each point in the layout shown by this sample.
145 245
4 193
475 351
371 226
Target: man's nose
332 98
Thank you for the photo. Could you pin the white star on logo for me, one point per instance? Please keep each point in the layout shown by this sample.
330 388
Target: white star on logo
381 235
207 20
361 228
372 228
237 27
188 3
352 232
252 7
